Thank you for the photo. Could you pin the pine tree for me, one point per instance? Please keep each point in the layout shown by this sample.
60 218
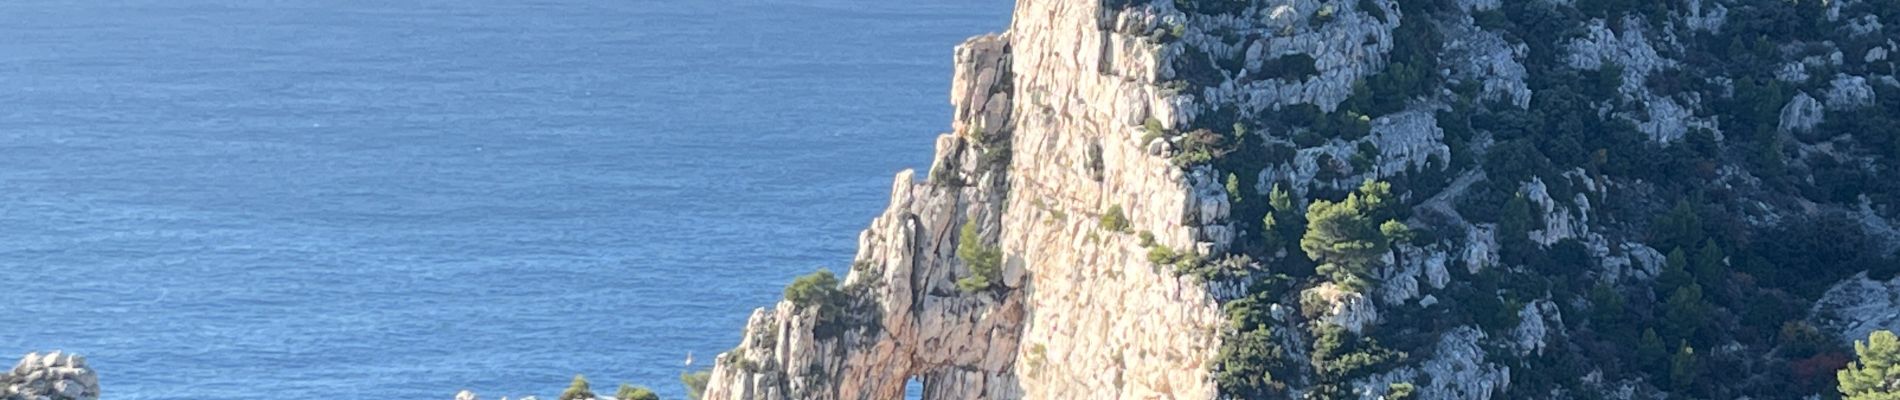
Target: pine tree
1674 274
1710 269
1877 375
1650 352
1351 235
1683 369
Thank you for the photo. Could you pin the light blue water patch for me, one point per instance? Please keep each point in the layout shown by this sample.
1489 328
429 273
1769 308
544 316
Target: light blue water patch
227 199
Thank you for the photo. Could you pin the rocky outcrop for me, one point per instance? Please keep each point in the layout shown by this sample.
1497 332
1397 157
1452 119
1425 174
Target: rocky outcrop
50 376
1858 306
1046 138
1801 114
1664 118
1456 371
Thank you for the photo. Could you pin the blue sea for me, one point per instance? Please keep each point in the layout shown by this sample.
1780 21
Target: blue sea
383 199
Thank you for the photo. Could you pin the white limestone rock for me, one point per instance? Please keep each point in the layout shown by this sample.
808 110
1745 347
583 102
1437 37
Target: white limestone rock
1848 92
1856 307
1348 309
1801 114
1706 15
1478 55
50 376
1481 247
1407 140
1456 370
1536 322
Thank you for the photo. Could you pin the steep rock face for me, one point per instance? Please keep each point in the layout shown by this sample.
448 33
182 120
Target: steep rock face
1537 149
1047 131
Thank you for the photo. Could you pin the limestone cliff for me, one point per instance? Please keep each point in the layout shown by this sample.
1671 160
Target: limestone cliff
1046 139
1582 203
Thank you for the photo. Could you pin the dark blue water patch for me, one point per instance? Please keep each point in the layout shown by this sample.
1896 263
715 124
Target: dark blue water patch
368 199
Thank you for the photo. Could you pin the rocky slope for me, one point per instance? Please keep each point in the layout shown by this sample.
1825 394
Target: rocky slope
1588 199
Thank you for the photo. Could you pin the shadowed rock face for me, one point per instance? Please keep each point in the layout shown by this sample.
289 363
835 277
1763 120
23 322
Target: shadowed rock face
50 376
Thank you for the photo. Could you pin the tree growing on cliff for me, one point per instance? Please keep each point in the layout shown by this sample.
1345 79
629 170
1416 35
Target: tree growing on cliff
630 392
577 390
1351 235
1877 375
985 261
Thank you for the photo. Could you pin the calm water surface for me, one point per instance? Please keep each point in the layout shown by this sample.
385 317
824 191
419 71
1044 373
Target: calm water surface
230 199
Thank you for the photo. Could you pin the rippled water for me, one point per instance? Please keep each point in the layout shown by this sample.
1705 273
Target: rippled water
229 199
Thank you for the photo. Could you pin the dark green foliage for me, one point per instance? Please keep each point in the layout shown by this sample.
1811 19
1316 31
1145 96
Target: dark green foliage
985 261
1685 313
1248 361
819 291
1675 273
1515 223
577 390
630 392
1251 364
1680 228
815 290
1609 313
1200 147
1370 7
1798 339
1684 367
1651 354
1339 357
1292 68
1351 235
1805 256
1412 69
1710 269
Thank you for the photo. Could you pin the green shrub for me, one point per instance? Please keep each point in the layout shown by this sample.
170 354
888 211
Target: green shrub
1151 129
985 261
1200 147
695 383
1369 7
1113 220
630 392
1162 255
577 390
1400 391
1323 15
